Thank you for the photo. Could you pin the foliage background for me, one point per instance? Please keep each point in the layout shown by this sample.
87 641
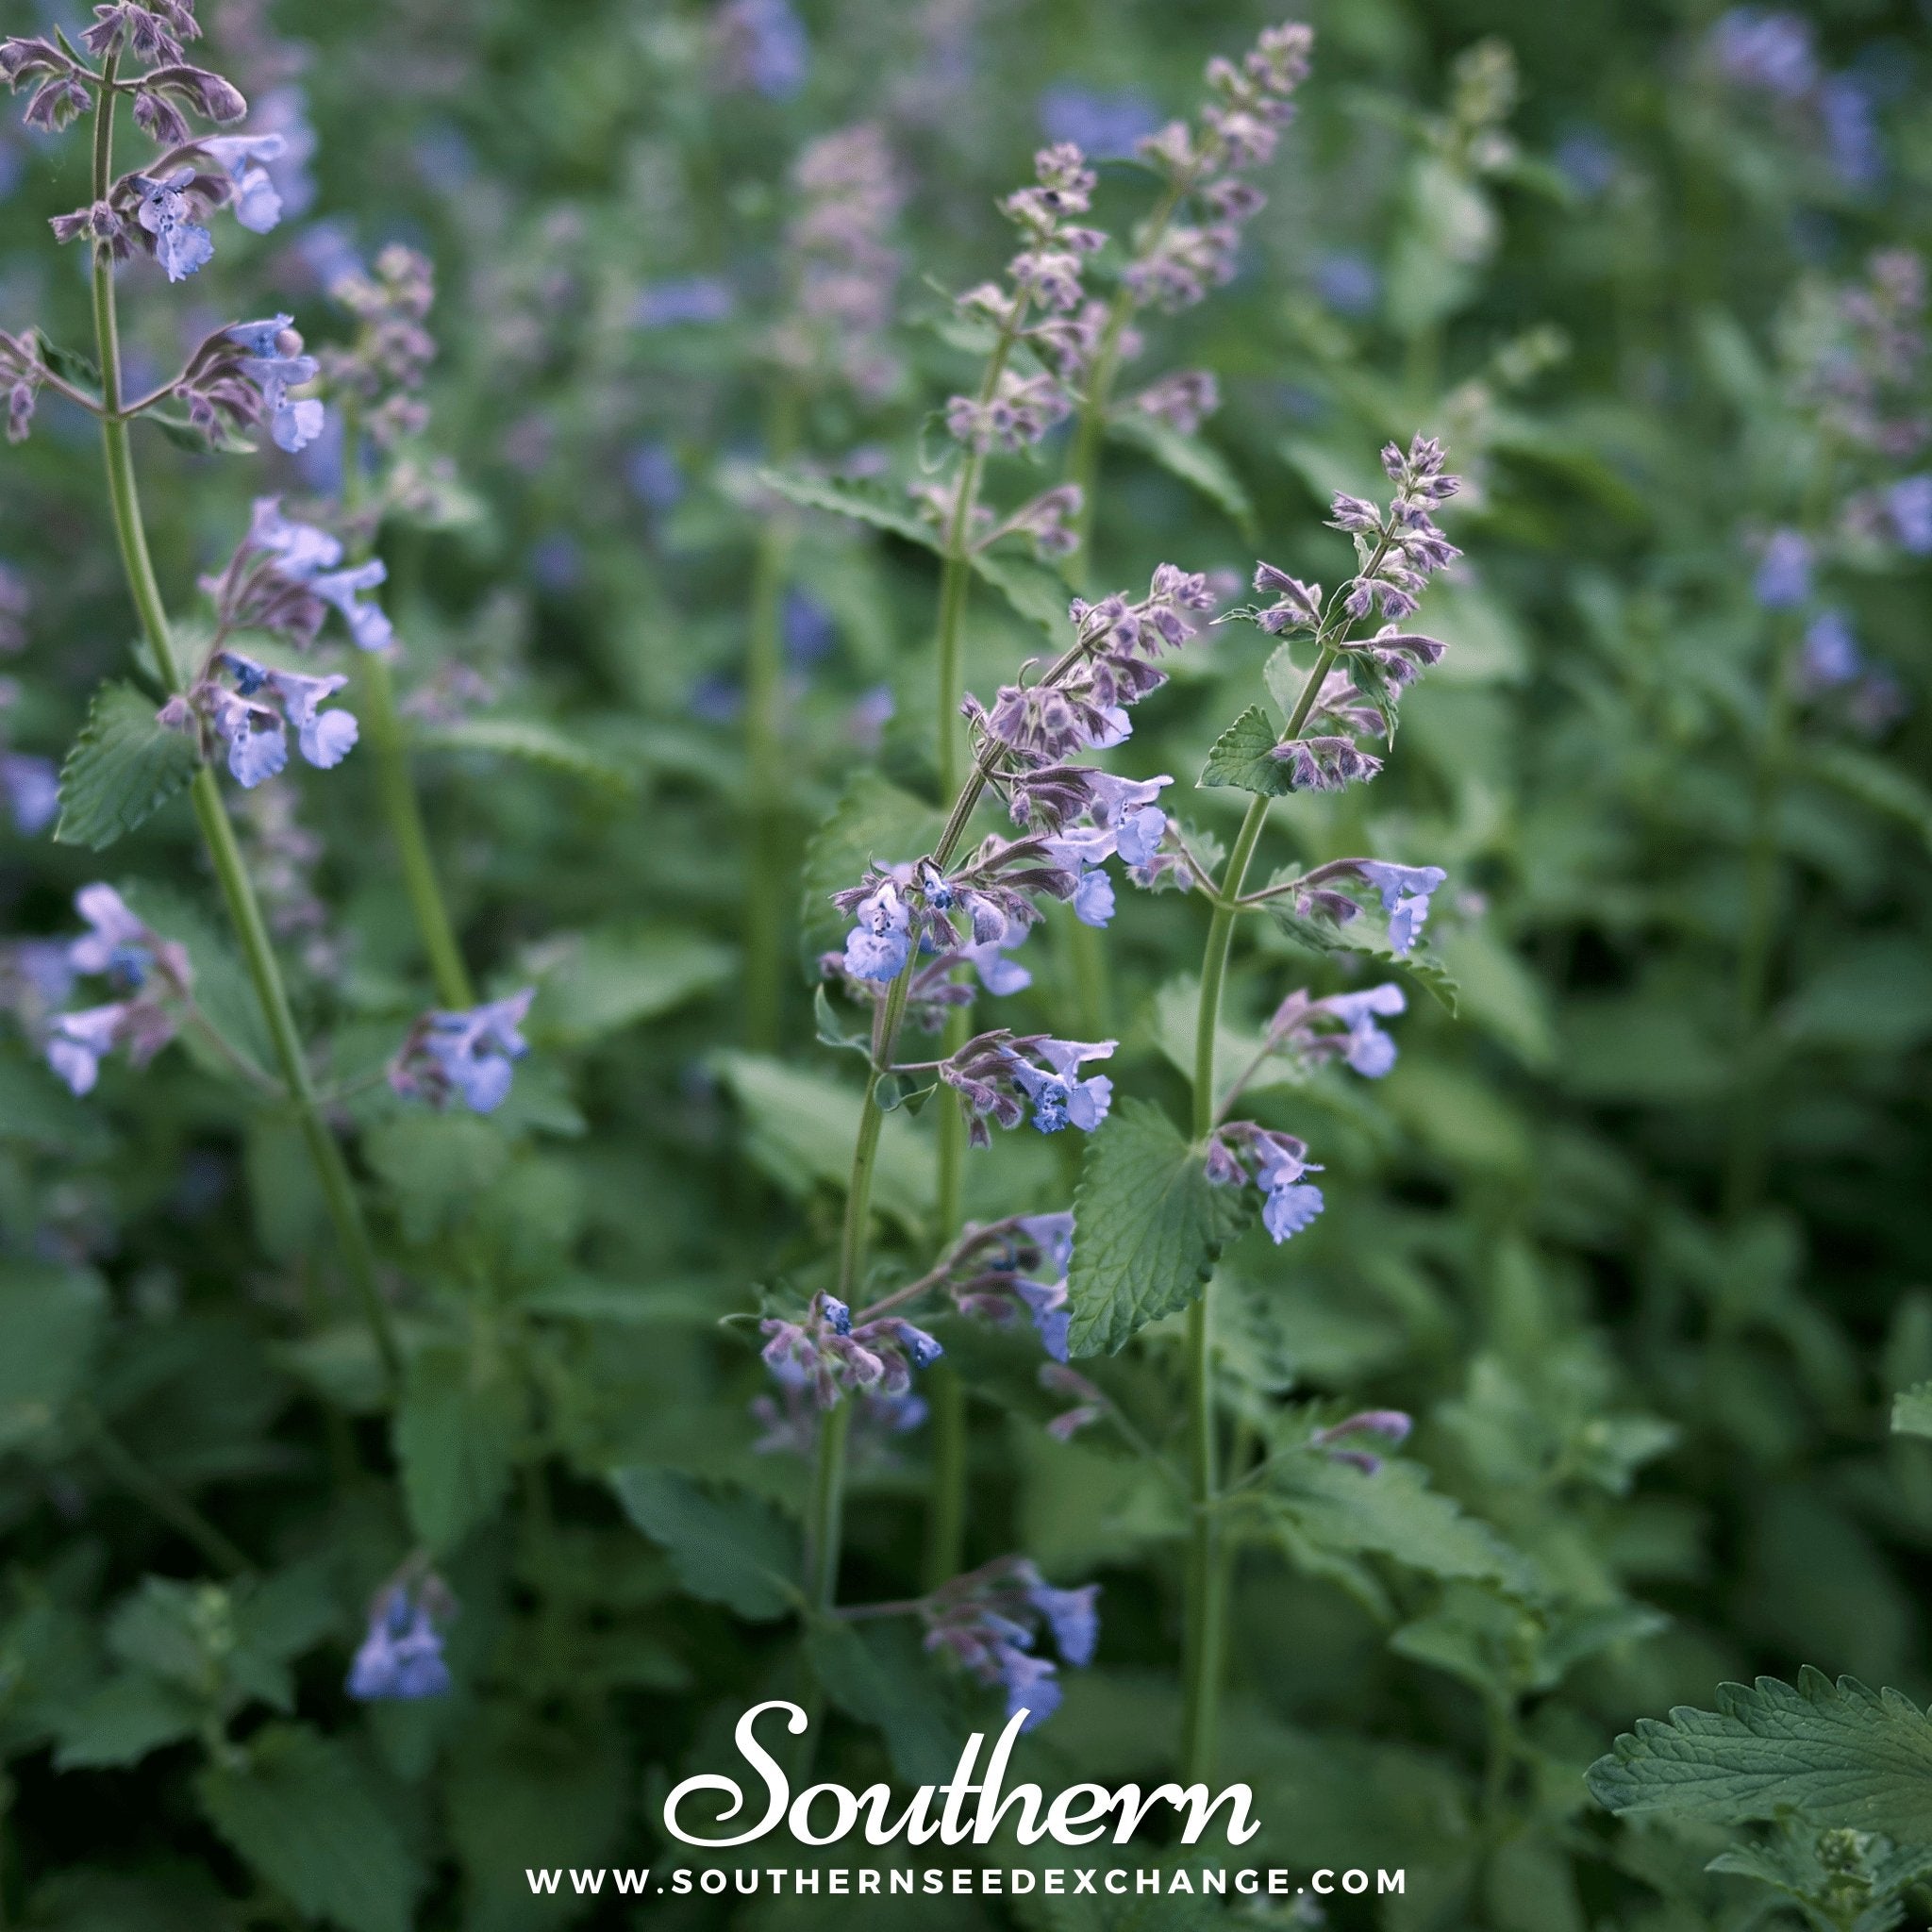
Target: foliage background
1669 1406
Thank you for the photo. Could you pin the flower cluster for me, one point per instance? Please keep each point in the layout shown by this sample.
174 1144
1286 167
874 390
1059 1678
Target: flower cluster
1177 261
839 269
1401 548
998 1075
1015 1267
251 716
1342 1027
468 1052
1856 353
286 577
826 1353
155 979
384 368
1020 407
1405 892
240 377
1279 1163
1772 52
401 1652
988 1620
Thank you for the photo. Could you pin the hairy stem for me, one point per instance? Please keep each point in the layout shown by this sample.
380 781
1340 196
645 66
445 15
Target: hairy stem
766 819
244 910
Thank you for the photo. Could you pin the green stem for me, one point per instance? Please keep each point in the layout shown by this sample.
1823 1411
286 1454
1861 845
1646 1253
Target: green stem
945 1394
765 778
394 786
1207 1576
404 811
138 1479
244 910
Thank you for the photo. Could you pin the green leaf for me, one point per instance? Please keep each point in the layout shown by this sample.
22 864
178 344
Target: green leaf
610 980
826 1029
1911 1410
1836 1754
309 1819
51 1323
130 1716
852 500
70 365
1243 756
881 1677
123 769
1148 1228
533 740
727 1548
1339 1508
1194 462
873 821
1875 782
801 1127
438 1166
1320 937
455 1435
190 436
1037 594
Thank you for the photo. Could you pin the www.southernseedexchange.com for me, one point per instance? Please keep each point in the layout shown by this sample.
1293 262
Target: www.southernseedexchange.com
681 1881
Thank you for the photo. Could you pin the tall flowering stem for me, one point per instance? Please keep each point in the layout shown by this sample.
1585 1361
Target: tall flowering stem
225 852
1395 554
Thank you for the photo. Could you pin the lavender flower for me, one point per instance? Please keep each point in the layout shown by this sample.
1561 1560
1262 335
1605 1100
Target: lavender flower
988 1620
1369 1051
1756 47
1908 503
1830 655
1060 1097
1390 1425
760 47
828 1353
468 1052
1405 892
32 787
252 730
685 299
181 245
880 944
1290 1202
244 158
1784 571
401 1652
154 973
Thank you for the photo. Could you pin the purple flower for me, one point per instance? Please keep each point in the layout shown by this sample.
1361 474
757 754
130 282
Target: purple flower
1390 1424
684 299
1784 571
1346 280
81 1040
1093 900
118 942
369 623
252 195
1847 107
1830 657
1369 1051
809 632
989 1620
997 974
401 1652
1060 1098
325 737
1406 890
468 1052
762 47
1281 1165
273 371
1908 503
1073 1616
1770 51
1107 126
879 946
32 786
257 740
655 476
181 245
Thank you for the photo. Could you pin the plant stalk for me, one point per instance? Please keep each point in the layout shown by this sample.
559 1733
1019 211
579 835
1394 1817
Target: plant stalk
244 910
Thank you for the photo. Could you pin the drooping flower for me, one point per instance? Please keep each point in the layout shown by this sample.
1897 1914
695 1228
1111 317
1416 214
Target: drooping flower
1369 1051
989 1620
1389 1425
1281 1165
401 1652
1060 1097
469 1053
253 194
182 246
273 361
369 623
1830 655
155 973
1784 571
880 944
1406 890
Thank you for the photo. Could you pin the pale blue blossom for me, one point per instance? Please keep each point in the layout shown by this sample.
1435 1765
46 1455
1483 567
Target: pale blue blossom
1909 504
474 1049
256 201
1406 890
1784 571
1060 1097
369 623
879 946
401 1652
182 246
1369 1051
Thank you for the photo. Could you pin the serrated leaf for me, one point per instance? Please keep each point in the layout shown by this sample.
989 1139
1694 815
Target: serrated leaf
873 820
1148 1228
130 1716
727 1548
850 500
1320 937
1243 758
1911 1410
610 980
880 1677
454 1434
51 1323
1836 1754
1393 1513
1035 593
310 1820
534 742
800 1128
1196 462
123 767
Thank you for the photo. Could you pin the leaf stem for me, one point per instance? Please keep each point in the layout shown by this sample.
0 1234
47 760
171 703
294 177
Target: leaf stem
142 1480
244 909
